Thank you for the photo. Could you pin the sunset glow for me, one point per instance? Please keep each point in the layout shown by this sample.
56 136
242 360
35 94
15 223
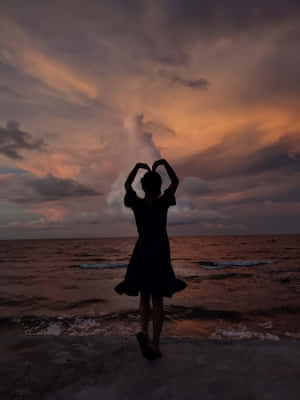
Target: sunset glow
84 95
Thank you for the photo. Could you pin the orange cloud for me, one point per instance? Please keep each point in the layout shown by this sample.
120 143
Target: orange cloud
23 53
62 165
52 213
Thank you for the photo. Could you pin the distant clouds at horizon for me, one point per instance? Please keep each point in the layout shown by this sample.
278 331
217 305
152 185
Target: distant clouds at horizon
214 88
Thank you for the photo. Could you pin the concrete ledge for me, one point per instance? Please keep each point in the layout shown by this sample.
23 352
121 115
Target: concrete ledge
109 368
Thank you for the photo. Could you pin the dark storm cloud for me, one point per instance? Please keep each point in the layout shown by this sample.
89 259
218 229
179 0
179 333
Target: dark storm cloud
174 79
28 189
189 13
293 194
193 185
276 79
160 31
194 84
7 91
276 156
227 17
269 186
54 188
13 140
225 160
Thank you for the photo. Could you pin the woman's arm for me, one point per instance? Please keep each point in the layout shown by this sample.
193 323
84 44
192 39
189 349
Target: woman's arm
133 173
173 177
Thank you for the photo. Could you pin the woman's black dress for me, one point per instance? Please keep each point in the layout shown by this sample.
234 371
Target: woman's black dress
149 269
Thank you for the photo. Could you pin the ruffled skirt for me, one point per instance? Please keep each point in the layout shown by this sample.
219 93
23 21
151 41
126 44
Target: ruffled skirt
150 271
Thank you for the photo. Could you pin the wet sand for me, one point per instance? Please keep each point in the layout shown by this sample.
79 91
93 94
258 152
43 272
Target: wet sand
103 367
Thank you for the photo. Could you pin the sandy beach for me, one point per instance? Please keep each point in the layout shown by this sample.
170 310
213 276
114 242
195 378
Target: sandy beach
98 367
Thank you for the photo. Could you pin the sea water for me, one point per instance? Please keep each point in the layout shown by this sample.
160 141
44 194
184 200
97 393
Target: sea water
238 287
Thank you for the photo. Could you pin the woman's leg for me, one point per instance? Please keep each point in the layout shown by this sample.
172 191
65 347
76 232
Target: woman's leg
158 317
145 312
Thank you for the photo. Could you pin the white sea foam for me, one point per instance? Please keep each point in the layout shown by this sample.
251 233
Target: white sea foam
100 266
53 329
294 335
232 264
80 327
241 332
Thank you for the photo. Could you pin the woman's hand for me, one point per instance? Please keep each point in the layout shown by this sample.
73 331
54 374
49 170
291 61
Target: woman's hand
143 165
133 173
162 161
173 177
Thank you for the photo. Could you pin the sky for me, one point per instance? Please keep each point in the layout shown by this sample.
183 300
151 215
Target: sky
90 88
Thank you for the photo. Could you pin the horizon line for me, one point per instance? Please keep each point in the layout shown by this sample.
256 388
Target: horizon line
170 236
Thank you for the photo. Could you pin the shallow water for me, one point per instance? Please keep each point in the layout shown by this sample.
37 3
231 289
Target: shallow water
236 284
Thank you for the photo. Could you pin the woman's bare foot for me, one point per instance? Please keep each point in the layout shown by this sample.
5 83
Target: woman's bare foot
155 349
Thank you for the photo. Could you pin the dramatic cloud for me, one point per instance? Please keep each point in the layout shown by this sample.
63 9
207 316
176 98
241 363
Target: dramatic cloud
13 140
158 128
195 186
26 188
213 87
53 188
22 53
140 148
232 159
7 91
190 83
217 18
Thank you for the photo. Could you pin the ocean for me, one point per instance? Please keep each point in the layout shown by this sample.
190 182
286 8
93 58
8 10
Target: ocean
238 287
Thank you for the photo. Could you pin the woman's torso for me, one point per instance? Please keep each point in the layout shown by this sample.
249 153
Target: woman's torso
151 219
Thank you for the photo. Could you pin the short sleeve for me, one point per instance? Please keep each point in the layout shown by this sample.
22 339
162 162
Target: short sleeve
130 198
168 197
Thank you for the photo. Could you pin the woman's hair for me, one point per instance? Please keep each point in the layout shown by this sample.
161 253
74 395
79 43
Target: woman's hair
151 182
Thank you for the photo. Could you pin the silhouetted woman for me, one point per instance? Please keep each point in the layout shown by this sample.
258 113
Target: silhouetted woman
149 270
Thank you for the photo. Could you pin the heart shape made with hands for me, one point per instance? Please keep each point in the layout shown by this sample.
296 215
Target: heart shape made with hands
157 163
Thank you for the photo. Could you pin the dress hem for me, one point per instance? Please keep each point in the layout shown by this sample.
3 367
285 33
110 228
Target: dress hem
128 288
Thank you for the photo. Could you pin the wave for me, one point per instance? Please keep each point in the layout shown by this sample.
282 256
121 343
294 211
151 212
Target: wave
15 260
124 322
83 303
99 266
199 278
21 300
89 259
232 264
